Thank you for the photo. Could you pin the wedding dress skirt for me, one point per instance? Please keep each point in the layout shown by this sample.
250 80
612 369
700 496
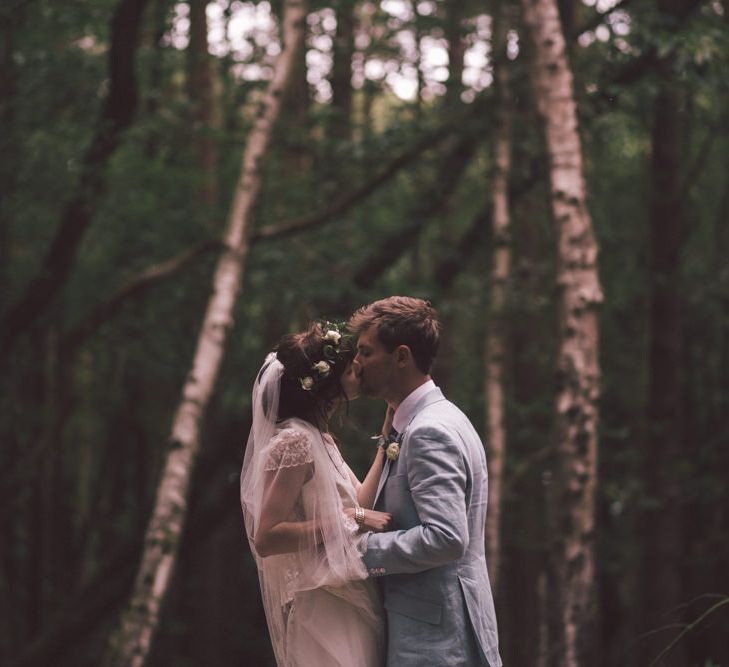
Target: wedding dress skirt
321 607
335 627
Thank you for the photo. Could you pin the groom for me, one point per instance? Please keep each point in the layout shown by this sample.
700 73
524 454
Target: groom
437 594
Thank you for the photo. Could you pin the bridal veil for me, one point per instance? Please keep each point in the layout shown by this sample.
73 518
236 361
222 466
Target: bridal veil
326 556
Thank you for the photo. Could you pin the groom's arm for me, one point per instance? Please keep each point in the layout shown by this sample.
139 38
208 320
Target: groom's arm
437 478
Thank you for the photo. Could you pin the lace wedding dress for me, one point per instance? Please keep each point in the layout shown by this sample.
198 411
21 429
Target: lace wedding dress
321 608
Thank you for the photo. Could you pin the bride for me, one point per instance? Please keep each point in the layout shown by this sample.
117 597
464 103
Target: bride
306 513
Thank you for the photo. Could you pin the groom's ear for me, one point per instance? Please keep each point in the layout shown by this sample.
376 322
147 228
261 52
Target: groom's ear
403 356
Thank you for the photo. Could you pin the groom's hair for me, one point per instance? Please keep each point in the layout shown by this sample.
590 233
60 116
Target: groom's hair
402 320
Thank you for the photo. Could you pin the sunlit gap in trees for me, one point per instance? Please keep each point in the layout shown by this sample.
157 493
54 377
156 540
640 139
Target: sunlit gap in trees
389 51
615 25
390 48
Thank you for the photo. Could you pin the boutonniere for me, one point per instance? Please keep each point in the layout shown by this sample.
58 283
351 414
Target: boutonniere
392 451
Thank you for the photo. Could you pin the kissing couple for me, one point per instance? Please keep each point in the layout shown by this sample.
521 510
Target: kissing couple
322 540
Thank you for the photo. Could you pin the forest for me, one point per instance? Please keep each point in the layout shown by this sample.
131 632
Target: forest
182 183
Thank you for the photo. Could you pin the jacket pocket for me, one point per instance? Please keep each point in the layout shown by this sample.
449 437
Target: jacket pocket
414 607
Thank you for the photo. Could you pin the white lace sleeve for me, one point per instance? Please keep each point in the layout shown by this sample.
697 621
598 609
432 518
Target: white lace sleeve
289 448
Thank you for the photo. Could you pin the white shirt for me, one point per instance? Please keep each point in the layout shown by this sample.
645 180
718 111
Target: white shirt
406 409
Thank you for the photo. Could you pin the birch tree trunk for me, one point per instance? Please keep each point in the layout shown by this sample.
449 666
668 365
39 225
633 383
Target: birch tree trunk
573 494
130 643
496 334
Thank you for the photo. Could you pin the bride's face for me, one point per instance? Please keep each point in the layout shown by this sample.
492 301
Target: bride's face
351 382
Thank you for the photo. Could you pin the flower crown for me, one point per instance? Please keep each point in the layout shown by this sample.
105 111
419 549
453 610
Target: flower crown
333 353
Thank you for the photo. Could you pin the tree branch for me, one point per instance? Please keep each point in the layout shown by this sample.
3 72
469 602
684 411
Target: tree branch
455 261
688 628
349 199
104 311
90 608
116 115
446 179
142 281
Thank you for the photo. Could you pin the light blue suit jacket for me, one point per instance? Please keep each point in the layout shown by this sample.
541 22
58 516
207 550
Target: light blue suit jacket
437 594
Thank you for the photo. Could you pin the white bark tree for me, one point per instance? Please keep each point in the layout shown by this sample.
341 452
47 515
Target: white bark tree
573 496
130 644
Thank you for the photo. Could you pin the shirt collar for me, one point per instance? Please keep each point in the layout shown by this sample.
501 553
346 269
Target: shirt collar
405 411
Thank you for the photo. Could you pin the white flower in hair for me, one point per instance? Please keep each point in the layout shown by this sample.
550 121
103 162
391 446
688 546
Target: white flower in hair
322 367
307 383
332 335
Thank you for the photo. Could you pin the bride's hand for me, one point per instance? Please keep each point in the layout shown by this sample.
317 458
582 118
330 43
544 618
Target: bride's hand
374 521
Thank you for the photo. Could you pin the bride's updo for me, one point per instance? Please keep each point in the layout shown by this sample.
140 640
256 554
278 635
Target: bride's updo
314 362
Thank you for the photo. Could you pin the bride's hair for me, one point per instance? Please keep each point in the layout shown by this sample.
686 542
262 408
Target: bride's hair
299 353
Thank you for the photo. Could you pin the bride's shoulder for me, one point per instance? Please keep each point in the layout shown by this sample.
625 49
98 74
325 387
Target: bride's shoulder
293 429
290 445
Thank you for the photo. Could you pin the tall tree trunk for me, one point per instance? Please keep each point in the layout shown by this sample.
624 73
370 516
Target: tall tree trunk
341 79
11 19
297 108
660 524
660 527
204 106
116 115
500 270
158 26
418 35
445 235
524 548
569 16
49 485
454 12
131 642
573 489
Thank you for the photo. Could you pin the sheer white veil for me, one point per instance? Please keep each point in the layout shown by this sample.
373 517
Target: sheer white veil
266 394
328 551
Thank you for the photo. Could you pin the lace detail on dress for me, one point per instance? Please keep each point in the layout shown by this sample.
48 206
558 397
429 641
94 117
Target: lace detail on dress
290 448
358 538
291 581
350 525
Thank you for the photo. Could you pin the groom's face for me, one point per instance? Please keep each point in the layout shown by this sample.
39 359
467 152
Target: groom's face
376 365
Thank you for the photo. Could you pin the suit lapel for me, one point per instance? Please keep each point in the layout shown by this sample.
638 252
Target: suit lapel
383 478
430 398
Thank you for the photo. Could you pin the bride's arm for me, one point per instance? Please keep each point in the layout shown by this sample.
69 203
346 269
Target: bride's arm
276 535
367 491
368 488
